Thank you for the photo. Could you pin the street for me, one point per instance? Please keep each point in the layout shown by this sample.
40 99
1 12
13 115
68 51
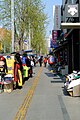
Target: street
41 98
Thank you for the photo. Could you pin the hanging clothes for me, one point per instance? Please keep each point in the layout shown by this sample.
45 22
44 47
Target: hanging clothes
3 66
18 69
25 71
17 74
10 65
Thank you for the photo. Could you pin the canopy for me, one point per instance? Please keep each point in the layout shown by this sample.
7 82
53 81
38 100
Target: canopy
27 51
70 25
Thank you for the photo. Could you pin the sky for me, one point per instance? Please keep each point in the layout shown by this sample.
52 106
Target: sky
49 10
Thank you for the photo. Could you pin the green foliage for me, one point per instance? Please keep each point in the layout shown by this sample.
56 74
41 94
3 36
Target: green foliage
5 39
29 19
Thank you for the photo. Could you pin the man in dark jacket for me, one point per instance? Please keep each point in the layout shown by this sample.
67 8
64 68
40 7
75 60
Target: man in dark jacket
41 60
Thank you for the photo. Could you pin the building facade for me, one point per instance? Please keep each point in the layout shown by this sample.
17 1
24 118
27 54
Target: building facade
69 42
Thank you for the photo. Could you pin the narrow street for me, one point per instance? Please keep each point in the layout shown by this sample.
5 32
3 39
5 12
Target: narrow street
41 98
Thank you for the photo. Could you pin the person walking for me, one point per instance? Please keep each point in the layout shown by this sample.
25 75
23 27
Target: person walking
41 60
45 61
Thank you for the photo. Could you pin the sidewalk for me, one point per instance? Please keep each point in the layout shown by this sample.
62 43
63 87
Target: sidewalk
49 101
44 100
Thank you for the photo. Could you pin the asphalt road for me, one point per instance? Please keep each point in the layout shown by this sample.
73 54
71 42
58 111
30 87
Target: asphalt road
41 98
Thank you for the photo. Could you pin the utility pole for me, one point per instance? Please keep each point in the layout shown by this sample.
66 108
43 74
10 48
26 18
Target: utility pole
12 23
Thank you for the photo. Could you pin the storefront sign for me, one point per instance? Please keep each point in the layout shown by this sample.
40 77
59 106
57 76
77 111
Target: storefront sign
56 17
72 11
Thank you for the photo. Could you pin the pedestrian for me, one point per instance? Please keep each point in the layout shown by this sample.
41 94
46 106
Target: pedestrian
45 61
41 60
31 64
51 60
33 58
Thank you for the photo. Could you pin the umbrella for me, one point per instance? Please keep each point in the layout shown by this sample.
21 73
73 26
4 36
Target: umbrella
13 53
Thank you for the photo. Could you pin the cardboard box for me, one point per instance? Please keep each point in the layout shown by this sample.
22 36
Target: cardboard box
70 91
76 90
8 87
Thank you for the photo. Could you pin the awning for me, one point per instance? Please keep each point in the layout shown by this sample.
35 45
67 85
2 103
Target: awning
21 52
70 25
69 32
27 51
60 46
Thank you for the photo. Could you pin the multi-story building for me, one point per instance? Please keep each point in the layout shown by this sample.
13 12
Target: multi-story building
69 44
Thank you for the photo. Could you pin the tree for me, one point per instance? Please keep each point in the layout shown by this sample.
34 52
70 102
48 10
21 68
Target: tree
5 38
29 20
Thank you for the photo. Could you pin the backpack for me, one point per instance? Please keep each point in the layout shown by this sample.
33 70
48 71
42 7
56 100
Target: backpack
23 60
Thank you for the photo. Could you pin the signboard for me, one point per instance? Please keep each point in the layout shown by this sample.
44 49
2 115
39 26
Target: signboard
56 17
72 11
54 36
70 25
26 42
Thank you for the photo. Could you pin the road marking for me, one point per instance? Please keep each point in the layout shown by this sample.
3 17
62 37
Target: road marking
21 114
63 108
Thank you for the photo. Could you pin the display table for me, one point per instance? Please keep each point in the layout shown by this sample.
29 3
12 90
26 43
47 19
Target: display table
75 91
